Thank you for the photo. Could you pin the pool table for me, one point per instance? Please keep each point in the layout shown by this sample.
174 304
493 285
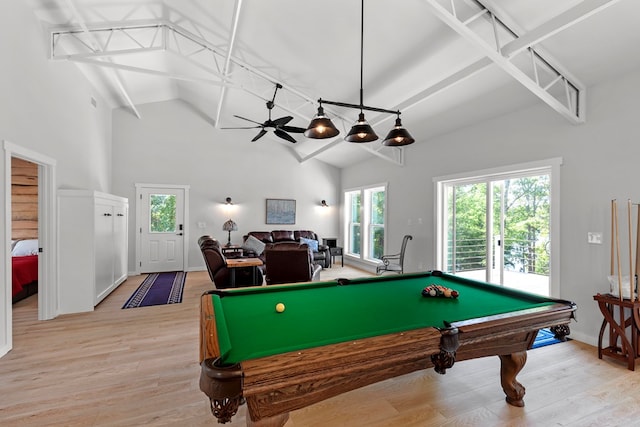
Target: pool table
340 335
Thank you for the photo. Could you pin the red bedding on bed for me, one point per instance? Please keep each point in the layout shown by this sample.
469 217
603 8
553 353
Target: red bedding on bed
24 271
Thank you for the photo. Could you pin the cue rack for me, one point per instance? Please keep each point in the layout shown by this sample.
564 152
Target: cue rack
622 312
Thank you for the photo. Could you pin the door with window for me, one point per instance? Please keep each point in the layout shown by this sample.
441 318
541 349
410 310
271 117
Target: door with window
497 228
161 229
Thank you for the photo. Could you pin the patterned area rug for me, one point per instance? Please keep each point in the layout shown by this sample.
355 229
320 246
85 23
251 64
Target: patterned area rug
545 337
158 289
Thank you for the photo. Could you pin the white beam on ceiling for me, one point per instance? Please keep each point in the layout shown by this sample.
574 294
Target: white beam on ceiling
565 95
559 23
131 68
289 98
228 58
117 78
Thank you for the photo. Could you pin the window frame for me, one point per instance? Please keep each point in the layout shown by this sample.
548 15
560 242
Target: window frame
548 166
366 225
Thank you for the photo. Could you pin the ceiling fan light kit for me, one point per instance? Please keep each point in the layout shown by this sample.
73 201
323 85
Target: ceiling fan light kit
321 126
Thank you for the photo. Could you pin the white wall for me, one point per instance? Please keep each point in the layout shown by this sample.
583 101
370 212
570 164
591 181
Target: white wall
601 162
172 145
45 107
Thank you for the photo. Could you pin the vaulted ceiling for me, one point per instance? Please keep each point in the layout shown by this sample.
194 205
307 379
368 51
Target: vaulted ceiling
445 64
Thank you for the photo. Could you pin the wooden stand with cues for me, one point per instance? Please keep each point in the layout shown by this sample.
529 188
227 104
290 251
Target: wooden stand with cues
623 345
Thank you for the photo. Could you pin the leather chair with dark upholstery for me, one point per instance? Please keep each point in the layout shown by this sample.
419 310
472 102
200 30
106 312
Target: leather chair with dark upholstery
290 262
216 264
322 256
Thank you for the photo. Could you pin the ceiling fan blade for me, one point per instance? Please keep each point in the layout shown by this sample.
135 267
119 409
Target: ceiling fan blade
247 127
292 129
282 121
259 135
249 120
282 134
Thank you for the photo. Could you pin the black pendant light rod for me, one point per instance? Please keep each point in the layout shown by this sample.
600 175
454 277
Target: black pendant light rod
361 53
321 126
360 106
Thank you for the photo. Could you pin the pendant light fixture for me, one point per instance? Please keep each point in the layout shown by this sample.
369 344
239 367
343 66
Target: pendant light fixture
398 136
321 126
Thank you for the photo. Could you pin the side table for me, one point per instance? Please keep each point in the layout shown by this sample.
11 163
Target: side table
233 251
234 263
336 251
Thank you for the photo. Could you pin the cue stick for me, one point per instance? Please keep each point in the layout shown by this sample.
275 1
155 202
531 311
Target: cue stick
637 243
612 220
618 251
631 278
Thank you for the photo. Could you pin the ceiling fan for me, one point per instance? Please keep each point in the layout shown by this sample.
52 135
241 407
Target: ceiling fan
278 126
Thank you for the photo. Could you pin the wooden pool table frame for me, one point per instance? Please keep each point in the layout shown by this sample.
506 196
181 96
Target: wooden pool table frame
273 386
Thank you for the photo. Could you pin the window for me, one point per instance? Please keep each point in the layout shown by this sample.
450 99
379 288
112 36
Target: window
162 213
365 222
497 226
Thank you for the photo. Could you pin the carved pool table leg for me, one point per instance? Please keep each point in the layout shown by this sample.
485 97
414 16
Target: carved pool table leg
510 366
275 421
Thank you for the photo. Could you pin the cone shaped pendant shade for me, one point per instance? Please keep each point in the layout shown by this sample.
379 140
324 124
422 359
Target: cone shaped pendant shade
321 126
398 136
361 131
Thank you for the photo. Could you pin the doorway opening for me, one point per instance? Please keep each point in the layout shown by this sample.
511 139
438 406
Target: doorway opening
497 226
46 232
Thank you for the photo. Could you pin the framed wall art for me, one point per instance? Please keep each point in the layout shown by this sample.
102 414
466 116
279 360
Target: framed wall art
281 211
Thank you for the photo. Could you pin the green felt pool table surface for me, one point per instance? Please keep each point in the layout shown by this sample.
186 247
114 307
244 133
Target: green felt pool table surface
322 313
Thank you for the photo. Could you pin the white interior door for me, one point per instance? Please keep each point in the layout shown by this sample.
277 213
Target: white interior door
161 228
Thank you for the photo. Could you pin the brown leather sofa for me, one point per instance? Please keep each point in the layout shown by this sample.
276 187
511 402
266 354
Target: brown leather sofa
290 262
216 264
321 257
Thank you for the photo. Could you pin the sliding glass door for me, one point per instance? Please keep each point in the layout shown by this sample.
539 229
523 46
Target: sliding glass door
497 228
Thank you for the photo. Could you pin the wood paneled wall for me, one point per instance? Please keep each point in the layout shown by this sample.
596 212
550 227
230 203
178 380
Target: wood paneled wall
24 199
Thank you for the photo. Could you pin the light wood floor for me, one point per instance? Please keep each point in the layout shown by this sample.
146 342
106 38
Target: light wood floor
136 367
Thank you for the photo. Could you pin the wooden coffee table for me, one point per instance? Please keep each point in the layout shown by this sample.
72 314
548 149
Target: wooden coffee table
234 263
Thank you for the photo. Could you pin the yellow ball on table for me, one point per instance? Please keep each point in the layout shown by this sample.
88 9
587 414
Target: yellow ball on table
279 307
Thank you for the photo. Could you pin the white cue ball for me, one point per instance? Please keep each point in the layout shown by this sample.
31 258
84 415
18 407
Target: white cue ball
279 307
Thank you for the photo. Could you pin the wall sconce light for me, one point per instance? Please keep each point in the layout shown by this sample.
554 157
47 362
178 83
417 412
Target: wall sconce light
324 204
228 201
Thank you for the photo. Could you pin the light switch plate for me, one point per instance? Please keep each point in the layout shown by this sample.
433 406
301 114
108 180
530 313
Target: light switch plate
594 237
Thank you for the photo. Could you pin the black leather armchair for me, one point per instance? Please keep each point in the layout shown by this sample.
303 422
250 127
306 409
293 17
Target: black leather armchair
216 264
290 262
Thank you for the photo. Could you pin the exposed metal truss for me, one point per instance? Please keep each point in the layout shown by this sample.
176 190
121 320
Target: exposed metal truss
94 43
108 45
476 23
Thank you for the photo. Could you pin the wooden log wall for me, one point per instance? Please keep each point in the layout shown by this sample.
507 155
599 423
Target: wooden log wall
24 199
